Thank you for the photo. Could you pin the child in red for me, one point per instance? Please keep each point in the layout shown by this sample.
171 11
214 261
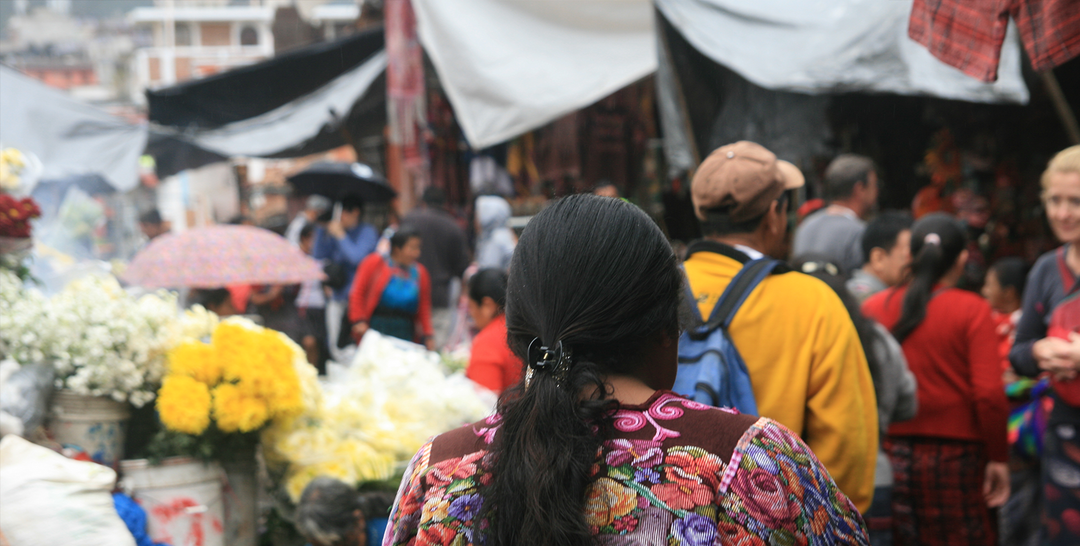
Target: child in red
491 363
1004 290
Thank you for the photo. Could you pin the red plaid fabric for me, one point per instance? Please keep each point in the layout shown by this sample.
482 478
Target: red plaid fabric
937 496
968 34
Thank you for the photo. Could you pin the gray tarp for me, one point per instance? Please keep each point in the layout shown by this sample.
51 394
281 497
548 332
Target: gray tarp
67 136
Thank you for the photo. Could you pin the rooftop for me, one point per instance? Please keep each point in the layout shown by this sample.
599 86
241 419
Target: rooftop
224 13
336 12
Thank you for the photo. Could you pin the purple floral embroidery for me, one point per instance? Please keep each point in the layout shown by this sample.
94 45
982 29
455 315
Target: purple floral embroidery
647 476
465 506
694 530
640 453
763 460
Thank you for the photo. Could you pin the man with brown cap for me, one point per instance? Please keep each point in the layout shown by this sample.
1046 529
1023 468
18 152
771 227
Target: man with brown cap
806 364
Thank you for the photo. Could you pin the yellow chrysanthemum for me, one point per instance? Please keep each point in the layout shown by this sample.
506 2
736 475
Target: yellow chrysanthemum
260 362
197 360
298 479
368 464
235 411
184 404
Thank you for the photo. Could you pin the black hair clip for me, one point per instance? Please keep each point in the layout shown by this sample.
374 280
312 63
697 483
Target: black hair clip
555 360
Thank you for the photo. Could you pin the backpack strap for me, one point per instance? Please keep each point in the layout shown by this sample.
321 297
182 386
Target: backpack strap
737 291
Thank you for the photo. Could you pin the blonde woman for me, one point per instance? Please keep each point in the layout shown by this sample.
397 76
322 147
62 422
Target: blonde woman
1053 279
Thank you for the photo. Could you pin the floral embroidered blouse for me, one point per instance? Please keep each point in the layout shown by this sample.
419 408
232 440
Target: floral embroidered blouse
677 473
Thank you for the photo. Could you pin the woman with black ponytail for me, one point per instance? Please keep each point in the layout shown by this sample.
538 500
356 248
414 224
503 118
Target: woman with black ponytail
950 461
590 447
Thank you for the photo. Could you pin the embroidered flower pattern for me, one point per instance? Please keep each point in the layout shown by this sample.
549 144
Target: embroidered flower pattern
655 491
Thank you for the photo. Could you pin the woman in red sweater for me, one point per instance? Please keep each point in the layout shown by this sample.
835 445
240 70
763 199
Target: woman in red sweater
491 363
950 461
393 296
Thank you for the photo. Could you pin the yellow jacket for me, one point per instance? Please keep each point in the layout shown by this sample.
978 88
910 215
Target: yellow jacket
806 364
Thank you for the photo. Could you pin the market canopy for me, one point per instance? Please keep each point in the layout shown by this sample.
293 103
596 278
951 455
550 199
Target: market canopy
509 66
291 105
833 46
70 138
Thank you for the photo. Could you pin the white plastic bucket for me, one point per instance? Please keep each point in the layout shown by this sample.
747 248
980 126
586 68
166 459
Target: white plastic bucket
182 498
95 424
241 507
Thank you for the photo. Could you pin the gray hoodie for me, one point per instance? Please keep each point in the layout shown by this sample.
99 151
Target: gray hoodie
496 243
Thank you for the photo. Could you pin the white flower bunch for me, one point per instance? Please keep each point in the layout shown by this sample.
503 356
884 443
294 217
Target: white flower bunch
393 397
101 340
23 330
107 343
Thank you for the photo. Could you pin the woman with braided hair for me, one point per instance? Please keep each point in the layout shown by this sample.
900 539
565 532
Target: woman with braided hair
590 447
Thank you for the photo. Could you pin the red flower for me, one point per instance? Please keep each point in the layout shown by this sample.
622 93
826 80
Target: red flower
706 467
732 533
15 216
455 469
683 495
436 534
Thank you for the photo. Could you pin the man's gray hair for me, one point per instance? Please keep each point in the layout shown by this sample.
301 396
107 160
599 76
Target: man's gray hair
327 510
844 172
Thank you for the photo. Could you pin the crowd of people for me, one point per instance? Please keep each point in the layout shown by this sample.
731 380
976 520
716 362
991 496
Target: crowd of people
896 407
893 405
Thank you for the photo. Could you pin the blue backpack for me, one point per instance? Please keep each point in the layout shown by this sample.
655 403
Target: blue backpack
711 370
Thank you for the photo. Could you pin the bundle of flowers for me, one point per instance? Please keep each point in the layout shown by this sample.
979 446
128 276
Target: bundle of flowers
245 377
12 163
101 340
393 397
22 317
15 216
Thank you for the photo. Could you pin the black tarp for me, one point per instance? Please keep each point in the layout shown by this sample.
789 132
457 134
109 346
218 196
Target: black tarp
256 110
249 91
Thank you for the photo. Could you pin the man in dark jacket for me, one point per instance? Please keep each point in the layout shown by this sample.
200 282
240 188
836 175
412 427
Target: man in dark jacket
444 252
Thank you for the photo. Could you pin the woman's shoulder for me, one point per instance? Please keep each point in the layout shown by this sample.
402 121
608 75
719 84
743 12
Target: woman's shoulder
670 420
1045 267
889 297
958 298
470 440
373 259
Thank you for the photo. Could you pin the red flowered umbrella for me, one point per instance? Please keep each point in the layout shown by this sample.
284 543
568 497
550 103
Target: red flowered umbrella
216 256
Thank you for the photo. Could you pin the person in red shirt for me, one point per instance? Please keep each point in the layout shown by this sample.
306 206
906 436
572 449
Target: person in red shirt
393 295
491 363
950 461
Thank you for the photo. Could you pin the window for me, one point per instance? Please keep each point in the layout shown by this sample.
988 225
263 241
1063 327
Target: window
183 34
249 36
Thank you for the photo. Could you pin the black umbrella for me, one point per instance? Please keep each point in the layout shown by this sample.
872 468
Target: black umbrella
337 180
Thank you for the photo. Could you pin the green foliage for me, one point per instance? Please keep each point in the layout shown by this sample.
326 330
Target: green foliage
212 445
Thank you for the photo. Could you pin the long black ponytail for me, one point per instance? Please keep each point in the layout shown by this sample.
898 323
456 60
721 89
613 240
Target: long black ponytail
937 240
597 275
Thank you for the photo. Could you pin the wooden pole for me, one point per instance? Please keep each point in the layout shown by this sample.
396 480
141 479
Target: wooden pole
1064 111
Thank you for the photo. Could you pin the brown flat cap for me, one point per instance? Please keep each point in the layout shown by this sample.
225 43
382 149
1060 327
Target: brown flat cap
743 177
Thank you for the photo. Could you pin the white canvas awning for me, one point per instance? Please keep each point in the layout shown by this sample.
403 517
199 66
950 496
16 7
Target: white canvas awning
829 46
509 66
